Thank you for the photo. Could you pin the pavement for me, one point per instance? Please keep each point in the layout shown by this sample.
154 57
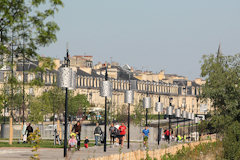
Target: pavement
15 153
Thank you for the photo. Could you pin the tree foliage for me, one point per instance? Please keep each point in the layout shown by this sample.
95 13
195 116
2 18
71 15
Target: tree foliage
53 102
30 21
138 115
222 74
78 103
26 25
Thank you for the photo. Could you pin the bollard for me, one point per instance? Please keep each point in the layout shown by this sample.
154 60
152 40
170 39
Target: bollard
10 131
59 129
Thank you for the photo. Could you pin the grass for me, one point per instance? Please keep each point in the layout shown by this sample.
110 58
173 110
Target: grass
43 144
211 150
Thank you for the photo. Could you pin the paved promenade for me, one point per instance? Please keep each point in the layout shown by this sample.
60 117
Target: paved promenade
7 153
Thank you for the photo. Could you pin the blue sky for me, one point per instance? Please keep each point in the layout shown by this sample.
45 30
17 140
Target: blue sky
170 35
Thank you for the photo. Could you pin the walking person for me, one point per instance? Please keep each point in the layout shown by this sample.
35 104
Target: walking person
77 130
112 132
117 135
167 133
24 133
29 130
122 130
145 133
97 133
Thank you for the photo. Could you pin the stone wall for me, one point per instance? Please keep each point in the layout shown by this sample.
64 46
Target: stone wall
157 154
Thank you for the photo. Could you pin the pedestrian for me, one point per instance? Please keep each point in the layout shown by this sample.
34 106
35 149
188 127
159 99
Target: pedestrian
167 133
145 133
165 136
122 130
77 130
117 135
97 133
29 130
72 143
24 133
112 132
86 141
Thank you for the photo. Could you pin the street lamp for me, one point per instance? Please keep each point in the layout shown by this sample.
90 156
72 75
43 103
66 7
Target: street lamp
196 120
193 116
128 98
184 116
106 91
146 105
66 81
189 124
169 113
159 109
177 115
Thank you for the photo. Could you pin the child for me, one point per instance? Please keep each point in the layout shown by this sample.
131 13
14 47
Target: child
72 143
86 142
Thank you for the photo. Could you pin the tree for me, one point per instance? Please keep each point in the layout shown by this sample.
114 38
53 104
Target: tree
54 100
37 110
78 103
30 21
222 87
138 115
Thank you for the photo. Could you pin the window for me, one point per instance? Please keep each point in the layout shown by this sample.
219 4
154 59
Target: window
31 77
25 78
31 92
1 76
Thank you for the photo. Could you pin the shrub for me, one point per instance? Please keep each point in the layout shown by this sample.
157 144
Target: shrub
231 141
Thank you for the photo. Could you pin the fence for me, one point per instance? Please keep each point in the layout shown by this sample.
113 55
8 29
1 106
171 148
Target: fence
47 132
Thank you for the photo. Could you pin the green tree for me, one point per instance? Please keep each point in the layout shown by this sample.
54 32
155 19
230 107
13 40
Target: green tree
138 115
54 100
222 87
31 22
37 110
78 103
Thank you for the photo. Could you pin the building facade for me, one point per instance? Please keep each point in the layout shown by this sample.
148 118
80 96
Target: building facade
181 90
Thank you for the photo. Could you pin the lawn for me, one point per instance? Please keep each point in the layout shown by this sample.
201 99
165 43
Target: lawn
43 144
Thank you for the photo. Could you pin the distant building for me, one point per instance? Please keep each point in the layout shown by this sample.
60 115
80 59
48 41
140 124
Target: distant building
81 61
89 78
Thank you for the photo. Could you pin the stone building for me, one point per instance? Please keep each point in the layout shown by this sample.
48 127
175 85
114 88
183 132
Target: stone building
88 81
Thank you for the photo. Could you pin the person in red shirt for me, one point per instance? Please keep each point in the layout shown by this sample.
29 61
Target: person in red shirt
167 134
122 130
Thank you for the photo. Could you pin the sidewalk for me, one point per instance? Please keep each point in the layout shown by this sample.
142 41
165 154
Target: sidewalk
84 154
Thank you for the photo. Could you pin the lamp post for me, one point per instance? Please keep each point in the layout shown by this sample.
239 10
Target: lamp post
184 116
193 117
178 115
159 109
196 120
66 110
184 105
66 80
169 113
106 91
129 98
146 105
23 83
189 124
